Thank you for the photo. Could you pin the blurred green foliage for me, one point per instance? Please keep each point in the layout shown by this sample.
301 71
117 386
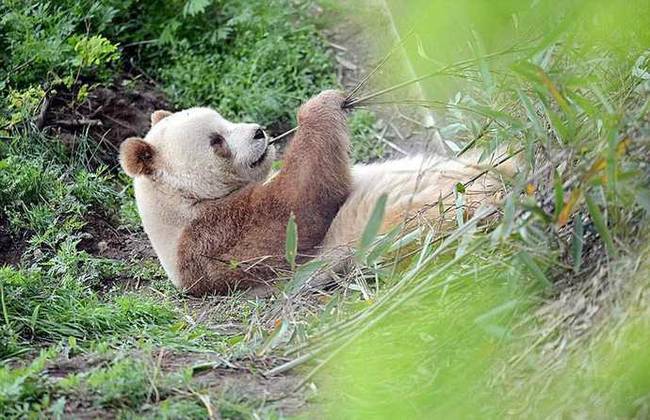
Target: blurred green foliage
466 349
366 143
566 84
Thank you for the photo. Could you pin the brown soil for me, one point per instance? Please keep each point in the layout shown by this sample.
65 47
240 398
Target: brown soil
11 246
104 240
109 114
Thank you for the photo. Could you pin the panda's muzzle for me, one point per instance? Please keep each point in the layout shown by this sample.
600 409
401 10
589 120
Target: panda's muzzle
261 158
261 135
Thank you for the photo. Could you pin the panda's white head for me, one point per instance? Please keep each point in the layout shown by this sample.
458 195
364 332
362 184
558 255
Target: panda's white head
198 153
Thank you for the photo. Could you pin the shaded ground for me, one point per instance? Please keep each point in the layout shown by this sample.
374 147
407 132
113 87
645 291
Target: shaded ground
110 114
11 247
101 238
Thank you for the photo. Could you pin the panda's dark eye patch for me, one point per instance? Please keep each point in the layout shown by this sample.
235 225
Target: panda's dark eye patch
216 139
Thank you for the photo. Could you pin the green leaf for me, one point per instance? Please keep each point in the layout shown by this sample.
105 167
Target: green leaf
460 207
507 222
281 333
600 224
302 274
643 199
202 367
499 310
479 52
531 113
373 225
291 244
405 240
195 7
384 245
612 143
465 241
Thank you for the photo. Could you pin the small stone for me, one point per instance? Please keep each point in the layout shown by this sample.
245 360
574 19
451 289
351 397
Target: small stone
102 246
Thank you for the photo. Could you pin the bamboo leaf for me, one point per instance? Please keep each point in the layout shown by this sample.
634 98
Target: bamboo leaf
460 204
291 244
569 206
466 241
558 193
384 245
533 268
643 199
302 275
374 224
281 333
479 52
507 222
406 240
611 159
530 112
497 311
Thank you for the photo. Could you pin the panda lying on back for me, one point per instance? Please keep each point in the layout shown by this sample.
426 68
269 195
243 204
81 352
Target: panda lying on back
216 225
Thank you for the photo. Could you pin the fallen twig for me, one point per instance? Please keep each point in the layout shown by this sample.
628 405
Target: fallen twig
79 122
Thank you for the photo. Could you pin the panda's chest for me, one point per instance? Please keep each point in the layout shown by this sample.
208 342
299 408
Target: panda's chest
163 219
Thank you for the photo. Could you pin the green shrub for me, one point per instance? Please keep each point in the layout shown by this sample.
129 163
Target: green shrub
253 60
24 391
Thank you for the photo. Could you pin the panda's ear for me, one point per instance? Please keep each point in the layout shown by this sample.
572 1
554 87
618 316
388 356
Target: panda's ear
156 116
137 157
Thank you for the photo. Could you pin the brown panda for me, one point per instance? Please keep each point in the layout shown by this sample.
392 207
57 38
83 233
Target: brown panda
217 223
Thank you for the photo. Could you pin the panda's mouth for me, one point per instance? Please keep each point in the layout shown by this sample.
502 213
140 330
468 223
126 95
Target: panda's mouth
260 159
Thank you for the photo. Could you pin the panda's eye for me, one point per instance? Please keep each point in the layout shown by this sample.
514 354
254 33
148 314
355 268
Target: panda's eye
216 139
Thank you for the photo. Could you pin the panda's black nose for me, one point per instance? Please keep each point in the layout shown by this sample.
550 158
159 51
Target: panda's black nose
259 134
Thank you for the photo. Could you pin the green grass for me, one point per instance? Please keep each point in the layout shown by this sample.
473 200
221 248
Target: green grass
252 60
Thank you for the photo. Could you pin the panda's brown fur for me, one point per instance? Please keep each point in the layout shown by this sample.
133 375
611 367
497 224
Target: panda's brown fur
238 241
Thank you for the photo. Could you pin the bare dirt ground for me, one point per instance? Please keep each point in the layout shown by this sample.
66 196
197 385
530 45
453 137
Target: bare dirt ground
110 114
